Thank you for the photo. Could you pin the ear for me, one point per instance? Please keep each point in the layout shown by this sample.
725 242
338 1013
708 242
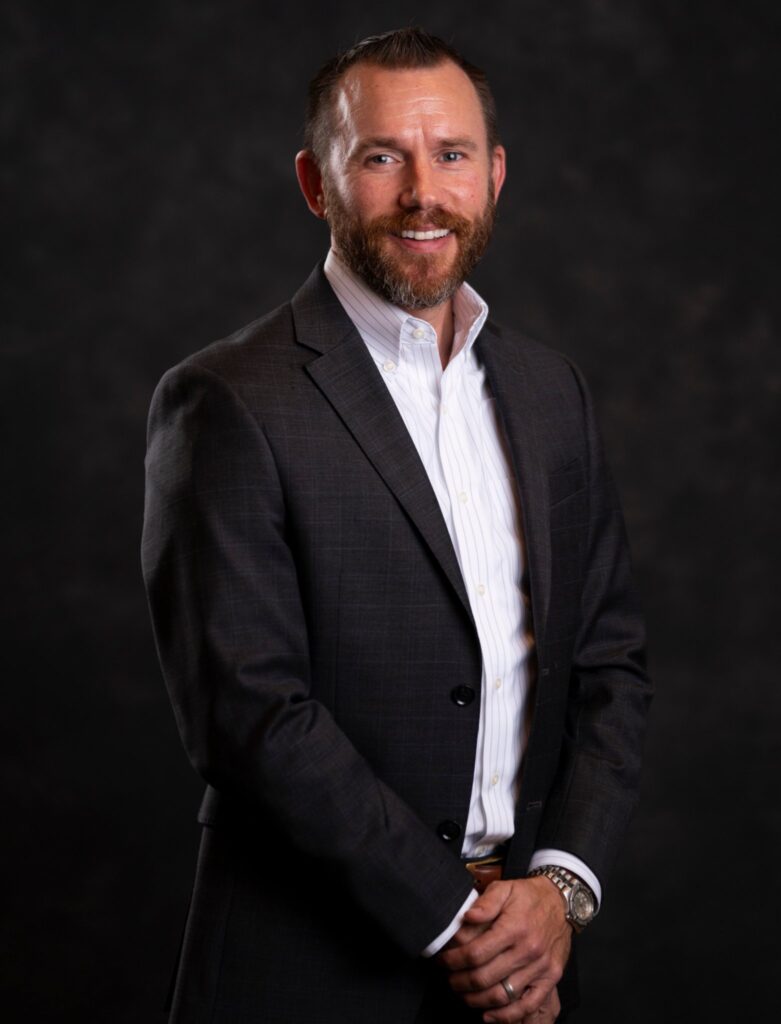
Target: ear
310 181
498 169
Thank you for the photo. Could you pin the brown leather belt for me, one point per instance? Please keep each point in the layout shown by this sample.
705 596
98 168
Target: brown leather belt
485 870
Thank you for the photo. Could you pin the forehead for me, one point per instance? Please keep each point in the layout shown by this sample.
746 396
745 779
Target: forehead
385 102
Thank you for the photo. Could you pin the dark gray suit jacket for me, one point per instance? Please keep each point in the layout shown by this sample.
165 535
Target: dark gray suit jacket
313 629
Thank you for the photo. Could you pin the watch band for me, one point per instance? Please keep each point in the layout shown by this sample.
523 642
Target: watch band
579 900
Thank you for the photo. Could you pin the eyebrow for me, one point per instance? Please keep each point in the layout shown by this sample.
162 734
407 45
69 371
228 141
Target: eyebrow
460 143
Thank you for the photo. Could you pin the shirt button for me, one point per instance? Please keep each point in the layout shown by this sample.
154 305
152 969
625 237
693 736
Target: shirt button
463 497
497 684
418 333
443 407
494 779
481 589
389 365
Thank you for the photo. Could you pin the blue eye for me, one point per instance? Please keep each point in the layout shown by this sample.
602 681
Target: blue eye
380 158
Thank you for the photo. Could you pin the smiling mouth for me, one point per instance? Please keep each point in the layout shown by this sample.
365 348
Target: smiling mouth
425 236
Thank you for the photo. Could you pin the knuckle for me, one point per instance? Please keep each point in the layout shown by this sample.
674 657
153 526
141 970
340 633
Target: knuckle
472 957
535 948
479 980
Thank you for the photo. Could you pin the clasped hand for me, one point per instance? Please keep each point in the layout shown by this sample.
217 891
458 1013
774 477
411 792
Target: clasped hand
515 932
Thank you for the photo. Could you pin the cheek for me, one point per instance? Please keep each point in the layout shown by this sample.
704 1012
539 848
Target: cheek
366 198
470 192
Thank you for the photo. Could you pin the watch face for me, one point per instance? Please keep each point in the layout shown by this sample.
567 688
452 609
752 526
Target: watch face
582 904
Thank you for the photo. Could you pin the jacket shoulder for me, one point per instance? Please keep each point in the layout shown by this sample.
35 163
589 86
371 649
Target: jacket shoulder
263 342
256 364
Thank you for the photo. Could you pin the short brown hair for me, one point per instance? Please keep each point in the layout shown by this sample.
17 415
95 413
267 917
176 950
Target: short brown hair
403 48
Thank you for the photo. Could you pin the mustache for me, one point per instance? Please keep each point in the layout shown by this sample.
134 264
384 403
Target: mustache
419 220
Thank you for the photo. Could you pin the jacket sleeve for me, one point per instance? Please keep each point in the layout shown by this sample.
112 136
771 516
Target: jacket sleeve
222 582
596 783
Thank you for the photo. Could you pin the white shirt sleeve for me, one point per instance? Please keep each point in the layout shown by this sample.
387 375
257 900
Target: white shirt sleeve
434 947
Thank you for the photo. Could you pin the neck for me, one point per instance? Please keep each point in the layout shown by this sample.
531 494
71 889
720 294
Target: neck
442 319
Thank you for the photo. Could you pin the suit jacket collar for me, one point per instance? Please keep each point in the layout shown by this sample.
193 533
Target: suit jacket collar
522 411
345 373
320 320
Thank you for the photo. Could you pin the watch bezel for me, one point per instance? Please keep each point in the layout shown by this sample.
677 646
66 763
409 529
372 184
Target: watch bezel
578 888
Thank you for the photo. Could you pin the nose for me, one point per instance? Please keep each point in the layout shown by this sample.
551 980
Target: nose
419 190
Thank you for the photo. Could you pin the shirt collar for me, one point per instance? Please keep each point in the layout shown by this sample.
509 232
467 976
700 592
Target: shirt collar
384 327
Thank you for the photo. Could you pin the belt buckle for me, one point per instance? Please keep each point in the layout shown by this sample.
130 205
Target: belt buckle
485 870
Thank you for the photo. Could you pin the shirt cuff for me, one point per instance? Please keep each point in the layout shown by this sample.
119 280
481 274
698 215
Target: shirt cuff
571 863
434 947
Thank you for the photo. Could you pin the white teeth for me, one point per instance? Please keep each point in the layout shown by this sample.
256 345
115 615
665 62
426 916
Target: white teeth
425 236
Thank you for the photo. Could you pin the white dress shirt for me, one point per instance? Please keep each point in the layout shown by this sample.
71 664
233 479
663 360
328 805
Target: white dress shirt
452 420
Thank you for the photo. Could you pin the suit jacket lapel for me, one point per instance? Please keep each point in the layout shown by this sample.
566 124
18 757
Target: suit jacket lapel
348 378
521 414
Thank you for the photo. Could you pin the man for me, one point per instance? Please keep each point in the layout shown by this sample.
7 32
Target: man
389 583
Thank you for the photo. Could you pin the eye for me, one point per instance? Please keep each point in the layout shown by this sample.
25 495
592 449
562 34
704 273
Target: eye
452 156
380 159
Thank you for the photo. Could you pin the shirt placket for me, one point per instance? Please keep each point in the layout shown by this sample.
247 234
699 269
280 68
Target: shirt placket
463 477
500 680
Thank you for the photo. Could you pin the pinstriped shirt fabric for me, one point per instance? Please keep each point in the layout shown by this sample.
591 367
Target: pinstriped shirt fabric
452 420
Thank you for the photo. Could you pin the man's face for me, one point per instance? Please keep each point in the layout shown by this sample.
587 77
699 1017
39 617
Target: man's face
409 183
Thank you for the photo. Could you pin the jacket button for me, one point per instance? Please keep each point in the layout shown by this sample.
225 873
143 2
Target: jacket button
448 830
462 695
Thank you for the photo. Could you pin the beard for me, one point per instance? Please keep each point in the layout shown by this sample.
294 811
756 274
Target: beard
413 280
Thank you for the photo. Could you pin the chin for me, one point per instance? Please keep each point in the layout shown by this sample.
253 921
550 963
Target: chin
425 266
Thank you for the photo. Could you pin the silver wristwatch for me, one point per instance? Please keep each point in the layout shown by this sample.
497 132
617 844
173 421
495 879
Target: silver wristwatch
579 901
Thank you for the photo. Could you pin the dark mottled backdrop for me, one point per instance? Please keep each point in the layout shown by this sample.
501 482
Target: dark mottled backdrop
150 207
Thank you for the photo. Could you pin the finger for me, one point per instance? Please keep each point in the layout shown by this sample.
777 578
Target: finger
489 904
555 1002
465 934
547 1013
484 947
538 1003
479 979
495 999
518 1010
513 987
510 1008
